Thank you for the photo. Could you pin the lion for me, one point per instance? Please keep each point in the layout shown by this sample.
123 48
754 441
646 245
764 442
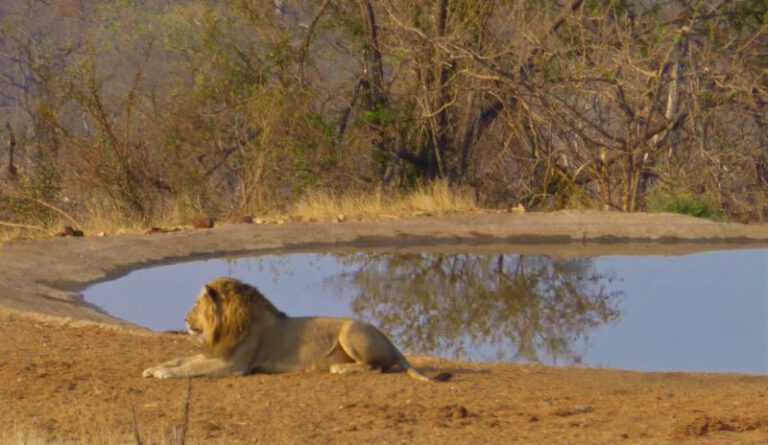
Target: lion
243 332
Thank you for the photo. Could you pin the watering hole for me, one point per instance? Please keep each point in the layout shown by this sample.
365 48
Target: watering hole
701 312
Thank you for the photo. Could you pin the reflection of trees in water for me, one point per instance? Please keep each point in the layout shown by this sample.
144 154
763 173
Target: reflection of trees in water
526 308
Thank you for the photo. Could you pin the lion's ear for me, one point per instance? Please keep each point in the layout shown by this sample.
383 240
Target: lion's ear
213 314
212 293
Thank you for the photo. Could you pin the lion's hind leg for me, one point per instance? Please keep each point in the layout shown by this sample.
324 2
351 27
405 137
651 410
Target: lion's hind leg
368 348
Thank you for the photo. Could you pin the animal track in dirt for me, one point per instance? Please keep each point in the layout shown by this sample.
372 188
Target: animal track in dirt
573 410
703 425
453 414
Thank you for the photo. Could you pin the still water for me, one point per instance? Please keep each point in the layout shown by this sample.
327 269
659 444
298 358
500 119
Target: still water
701 312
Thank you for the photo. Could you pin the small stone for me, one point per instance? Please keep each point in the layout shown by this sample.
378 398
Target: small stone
459 413
202 222
571 411
245 219
520 208
69 231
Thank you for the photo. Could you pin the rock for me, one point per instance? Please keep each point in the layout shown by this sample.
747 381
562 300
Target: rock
202 222
245 219
69 231
459 413
573 410
153 230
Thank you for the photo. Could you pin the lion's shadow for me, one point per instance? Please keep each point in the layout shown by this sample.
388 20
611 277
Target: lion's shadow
444 374
453 370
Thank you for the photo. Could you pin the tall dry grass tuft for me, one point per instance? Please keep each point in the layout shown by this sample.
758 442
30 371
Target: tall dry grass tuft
9 231
99 217
437 197
326 205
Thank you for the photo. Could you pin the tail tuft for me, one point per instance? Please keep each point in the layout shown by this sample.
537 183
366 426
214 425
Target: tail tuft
417 375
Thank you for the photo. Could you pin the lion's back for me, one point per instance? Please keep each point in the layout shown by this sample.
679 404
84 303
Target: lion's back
300 344
314 343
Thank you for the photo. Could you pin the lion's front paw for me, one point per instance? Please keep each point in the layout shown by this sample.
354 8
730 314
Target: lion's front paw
157 372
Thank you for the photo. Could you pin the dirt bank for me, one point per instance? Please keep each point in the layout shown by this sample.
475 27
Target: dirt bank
67 378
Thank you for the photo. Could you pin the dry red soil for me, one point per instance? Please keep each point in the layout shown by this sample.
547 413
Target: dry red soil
64 383
64 380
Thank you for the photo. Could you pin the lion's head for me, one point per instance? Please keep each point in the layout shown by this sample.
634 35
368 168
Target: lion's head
224 314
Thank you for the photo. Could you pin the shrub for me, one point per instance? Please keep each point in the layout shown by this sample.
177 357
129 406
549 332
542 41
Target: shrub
675 200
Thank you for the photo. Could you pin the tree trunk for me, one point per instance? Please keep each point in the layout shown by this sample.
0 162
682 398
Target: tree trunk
374 68
440 130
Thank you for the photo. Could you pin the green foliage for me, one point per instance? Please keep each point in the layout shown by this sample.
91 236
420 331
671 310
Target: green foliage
749 12
319 123
379 117
356 29
220 107
599 7
32 189
676 200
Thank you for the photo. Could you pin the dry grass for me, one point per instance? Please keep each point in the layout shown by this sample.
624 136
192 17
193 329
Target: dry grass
91 438
437 197
94 433
101 218
10 233
19 435
324 205
102 223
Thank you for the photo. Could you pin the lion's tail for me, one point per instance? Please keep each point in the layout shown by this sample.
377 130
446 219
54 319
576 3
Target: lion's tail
406 366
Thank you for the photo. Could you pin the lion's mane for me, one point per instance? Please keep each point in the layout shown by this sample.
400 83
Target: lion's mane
225 312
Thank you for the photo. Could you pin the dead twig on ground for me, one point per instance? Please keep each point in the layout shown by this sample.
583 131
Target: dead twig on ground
22 226
136 434
181 440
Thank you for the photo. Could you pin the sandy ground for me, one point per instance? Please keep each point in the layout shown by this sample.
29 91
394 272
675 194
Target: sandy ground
70 374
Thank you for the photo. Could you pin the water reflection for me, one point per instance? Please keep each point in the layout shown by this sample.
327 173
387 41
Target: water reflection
497 306
702 312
